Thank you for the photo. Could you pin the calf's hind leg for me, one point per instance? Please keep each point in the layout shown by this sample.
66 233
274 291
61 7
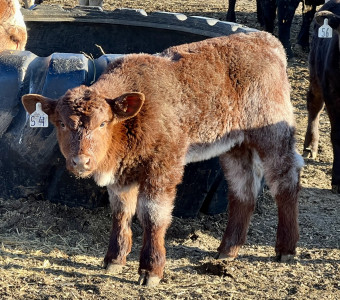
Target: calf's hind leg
243 171
334 113
282 167
315 105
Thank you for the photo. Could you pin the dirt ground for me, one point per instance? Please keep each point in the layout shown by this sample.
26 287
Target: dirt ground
50 251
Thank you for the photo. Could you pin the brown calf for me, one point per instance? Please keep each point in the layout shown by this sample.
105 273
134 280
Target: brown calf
13 34
147 116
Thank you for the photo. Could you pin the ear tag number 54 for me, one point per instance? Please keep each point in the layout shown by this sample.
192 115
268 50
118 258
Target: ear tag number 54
325 31
38 118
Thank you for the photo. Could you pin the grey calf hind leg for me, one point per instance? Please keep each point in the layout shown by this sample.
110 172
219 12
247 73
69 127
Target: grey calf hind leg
243 171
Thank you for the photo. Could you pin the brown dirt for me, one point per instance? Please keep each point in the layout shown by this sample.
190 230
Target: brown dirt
49 251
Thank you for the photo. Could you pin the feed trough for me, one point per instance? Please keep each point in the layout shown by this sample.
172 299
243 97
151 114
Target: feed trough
65 49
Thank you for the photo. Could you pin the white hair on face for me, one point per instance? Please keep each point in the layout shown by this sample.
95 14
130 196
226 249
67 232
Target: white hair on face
18 16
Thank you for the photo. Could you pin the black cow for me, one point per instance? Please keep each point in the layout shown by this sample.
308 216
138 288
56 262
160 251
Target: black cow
324 86
266 14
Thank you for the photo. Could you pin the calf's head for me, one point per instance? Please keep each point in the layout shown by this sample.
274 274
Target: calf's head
89 125
333 19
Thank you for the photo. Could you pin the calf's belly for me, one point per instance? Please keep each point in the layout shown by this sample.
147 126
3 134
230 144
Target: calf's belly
204 151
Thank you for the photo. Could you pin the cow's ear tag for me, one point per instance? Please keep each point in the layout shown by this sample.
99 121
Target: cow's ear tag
38 118
325 31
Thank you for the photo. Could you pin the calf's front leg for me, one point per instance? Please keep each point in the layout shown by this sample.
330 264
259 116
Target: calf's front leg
154 214
123 205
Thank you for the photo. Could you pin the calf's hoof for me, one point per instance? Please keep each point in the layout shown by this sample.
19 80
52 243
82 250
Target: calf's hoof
285 258
113 268
148 280
308 153
224 256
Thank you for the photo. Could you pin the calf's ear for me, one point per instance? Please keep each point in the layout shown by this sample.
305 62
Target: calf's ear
127 105
47 105
333 20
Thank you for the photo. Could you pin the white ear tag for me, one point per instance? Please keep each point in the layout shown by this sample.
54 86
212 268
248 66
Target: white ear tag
325 31
38 118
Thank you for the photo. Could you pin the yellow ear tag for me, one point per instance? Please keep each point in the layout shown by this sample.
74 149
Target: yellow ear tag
325 31
38 118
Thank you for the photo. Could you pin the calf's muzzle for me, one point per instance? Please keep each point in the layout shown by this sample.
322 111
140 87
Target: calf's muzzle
81 164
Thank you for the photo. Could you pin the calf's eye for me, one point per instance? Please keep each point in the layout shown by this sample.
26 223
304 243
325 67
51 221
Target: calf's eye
62 125
102 124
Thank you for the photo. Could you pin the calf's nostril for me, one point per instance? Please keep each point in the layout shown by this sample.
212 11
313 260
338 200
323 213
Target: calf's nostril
74 162
87 161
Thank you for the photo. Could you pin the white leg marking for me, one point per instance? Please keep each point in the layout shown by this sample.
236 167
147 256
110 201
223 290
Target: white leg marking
244 176
123 199
158 212
257 169
290 179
